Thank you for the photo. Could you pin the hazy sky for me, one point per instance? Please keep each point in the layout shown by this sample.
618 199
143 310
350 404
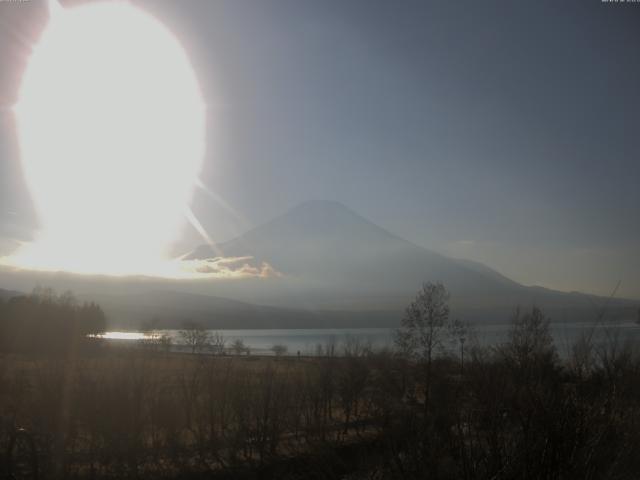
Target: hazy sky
505 132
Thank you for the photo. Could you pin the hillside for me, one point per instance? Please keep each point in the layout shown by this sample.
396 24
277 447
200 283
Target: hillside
170 309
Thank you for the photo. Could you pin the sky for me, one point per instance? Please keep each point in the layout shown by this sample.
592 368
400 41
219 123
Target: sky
503 132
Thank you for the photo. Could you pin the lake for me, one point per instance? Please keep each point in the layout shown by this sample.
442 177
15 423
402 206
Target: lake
306 341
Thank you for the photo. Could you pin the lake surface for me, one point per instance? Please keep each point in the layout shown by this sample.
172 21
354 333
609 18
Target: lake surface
307 341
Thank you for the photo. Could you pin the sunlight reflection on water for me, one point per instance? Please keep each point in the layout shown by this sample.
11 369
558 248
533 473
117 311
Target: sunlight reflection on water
122 336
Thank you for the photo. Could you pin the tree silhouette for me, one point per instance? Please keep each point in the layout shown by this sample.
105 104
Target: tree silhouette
423 328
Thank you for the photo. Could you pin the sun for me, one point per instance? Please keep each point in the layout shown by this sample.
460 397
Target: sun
111 127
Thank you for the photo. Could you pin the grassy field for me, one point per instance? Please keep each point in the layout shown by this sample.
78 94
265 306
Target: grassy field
510 411
127 412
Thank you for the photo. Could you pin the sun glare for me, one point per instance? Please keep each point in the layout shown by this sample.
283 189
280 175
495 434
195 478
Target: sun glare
111 131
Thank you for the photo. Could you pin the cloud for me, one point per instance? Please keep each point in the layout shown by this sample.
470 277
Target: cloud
230 267
215 268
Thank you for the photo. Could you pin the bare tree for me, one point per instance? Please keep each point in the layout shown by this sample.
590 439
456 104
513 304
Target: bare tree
279 350
195 336
356 347
218 343
530 341
239 347
458 332
424 327
328 349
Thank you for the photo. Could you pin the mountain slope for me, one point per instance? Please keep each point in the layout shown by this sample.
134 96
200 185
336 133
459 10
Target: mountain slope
331 257
327 243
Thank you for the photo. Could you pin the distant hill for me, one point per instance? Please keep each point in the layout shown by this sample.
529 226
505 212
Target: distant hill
169 309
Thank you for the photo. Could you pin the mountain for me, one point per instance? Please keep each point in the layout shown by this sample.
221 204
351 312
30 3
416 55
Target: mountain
328 243
333 258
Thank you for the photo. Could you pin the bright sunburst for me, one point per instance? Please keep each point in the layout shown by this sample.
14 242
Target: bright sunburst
111 129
